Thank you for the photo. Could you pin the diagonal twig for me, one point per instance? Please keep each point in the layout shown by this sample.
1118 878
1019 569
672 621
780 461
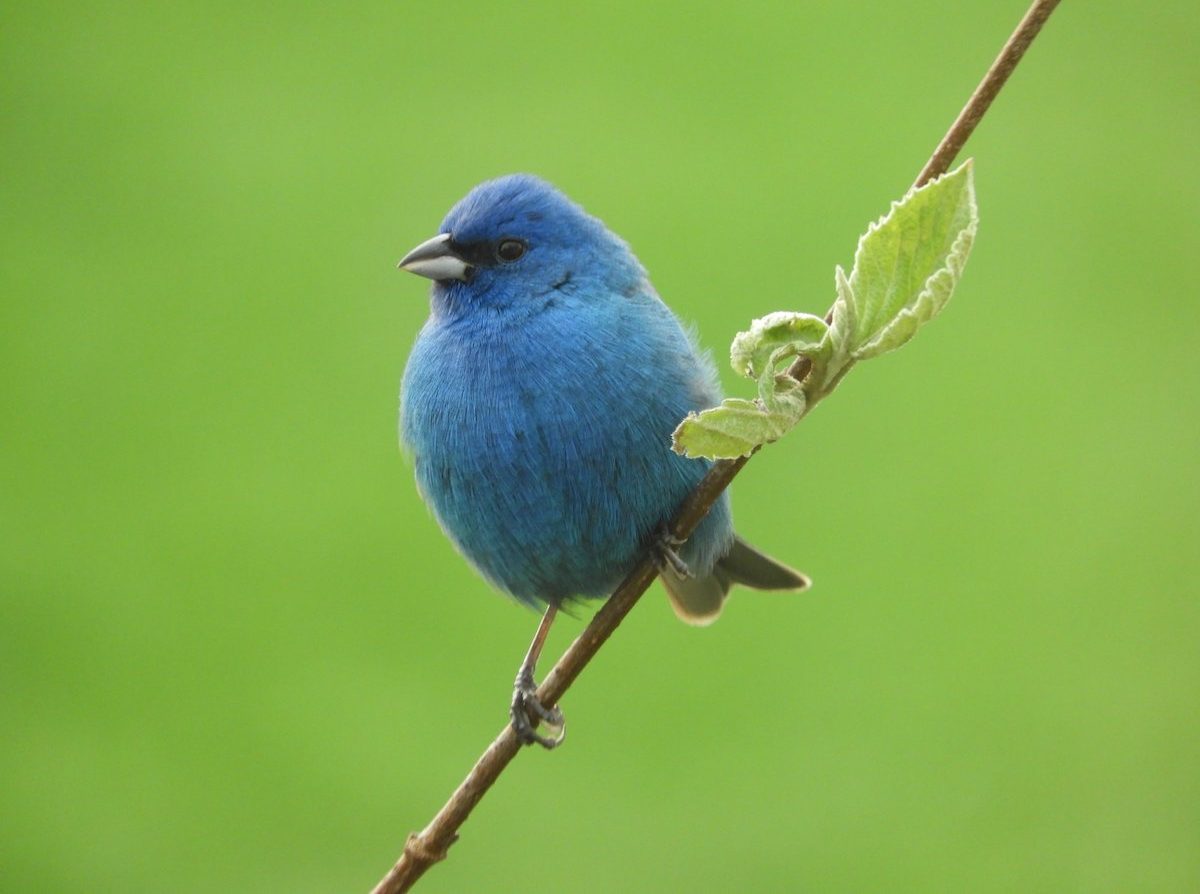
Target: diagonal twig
430 845
972 113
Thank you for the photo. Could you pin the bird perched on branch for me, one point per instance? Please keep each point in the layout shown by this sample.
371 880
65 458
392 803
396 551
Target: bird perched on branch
538 405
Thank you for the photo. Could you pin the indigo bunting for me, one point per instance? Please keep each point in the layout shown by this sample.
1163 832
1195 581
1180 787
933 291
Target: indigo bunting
538 405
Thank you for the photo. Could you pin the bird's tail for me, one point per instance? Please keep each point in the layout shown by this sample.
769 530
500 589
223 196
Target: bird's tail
698 600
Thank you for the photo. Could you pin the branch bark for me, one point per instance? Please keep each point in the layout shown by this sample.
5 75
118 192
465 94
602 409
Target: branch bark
973 112
430 845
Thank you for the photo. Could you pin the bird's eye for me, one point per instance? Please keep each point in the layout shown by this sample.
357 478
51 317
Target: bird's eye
510 250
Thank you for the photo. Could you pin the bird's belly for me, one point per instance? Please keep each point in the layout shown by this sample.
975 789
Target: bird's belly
546 503
551 468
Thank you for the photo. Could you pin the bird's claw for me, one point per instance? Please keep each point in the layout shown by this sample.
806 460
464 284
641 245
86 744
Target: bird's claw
525 701
665 546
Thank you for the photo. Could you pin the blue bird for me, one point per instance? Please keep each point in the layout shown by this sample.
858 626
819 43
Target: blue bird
538 405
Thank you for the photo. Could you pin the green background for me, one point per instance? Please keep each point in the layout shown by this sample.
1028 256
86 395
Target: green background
238 655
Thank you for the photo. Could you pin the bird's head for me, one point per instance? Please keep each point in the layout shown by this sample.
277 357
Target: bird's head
518 242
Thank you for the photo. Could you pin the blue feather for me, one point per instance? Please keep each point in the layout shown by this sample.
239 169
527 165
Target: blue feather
540 397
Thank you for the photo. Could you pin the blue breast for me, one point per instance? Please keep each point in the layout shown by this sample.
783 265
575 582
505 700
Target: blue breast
542 443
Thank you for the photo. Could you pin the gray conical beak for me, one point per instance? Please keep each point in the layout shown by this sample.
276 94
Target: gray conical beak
434 258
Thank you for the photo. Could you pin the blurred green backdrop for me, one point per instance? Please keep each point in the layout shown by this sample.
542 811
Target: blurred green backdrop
237 653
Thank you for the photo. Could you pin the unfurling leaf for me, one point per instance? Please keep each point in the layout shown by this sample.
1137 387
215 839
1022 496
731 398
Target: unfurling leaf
737 426
773 338
905 270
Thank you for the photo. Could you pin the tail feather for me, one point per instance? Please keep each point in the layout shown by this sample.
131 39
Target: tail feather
696 600
699 601
746 565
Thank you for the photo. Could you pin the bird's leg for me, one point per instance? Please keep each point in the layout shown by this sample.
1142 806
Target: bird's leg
525 698
665 555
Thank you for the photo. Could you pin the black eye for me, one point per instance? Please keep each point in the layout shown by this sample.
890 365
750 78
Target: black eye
510 249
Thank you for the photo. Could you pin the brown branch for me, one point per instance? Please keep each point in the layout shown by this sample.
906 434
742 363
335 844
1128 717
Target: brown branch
972 113
430 845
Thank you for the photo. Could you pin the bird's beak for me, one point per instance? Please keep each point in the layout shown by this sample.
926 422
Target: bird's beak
435 258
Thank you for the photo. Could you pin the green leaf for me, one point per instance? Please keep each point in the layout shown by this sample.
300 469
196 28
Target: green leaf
843 323
907 265
905 269
735 428
773 338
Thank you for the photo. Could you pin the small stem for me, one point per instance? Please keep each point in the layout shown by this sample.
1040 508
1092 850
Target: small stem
429 846
972 113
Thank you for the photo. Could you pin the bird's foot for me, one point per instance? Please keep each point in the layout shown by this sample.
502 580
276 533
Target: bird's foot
665 555
525 702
